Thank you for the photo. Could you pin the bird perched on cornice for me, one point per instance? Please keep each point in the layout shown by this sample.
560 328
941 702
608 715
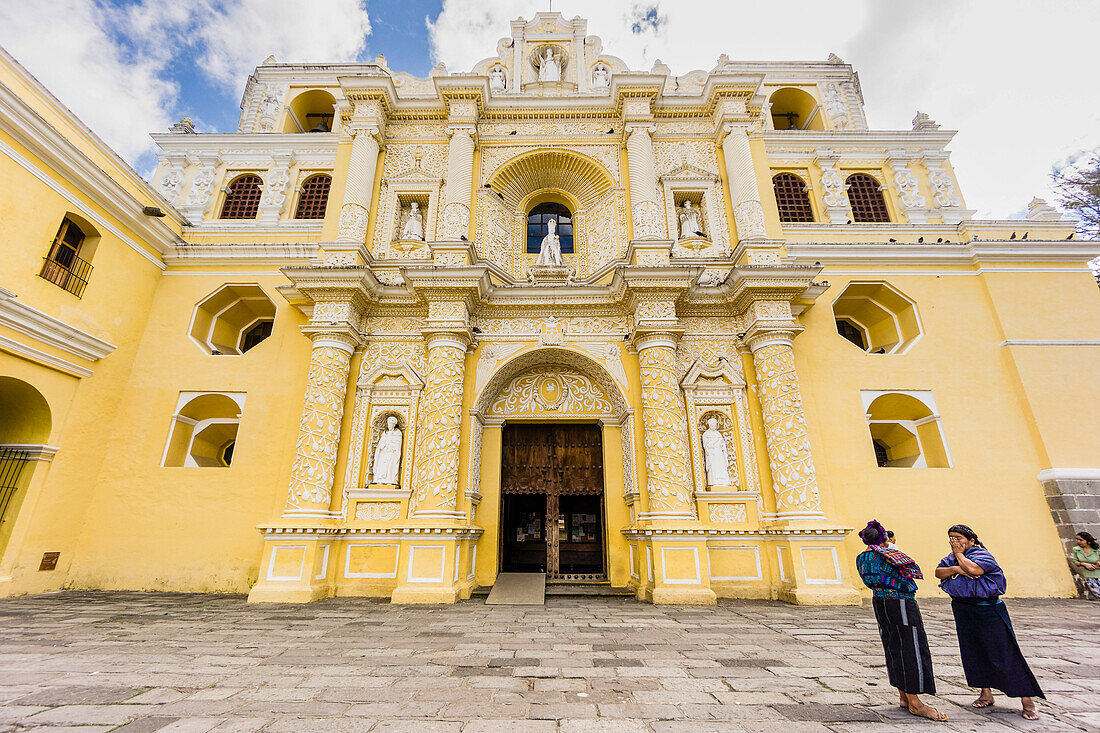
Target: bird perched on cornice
1024 237
1013 236
920 240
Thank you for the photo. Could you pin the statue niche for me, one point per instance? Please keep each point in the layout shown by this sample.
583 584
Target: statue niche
386 458
549 63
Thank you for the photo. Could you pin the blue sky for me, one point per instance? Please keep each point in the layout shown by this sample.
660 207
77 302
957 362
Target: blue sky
1015 78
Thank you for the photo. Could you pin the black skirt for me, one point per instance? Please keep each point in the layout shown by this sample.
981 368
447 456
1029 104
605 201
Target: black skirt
908 661
991 656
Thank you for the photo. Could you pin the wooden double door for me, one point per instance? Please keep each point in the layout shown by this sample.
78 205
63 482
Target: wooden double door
552 513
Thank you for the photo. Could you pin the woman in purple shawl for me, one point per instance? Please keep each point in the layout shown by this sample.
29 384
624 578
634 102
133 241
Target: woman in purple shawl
891 576
991 656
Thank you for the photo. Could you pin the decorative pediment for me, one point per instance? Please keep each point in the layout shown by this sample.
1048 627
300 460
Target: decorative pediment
688 173
391 376
720 375
413 175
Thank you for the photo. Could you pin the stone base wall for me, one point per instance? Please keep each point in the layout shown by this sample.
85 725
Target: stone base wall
1075 506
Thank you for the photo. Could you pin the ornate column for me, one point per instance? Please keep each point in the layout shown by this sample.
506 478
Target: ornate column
455 220
436 453
359 188
748 213
314 467
645 211
792 465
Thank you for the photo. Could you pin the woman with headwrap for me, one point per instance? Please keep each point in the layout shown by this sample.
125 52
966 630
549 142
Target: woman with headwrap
991 656
891 576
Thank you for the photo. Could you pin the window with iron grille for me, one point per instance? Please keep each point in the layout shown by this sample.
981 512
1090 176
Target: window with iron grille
791 198
63 265
12 463
313 199
865 195
243 198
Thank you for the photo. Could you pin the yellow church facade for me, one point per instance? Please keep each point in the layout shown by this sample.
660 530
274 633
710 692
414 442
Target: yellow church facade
680 335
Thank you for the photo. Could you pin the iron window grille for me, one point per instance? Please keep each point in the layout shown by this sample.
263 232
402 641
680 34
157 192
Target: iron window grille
242 201
313 200
865 196
791 198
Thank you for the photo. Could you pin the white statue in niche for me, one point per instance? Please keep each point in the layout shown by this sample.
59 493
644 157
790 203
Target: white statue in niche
691 224
550 250
715 457
550 66
414 223
387 453
498 81
601 76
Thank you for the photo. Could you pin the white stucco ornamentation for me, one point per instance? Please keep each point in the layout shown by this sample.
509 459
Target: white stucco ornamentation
377 511
833 185
552 391
789 452
171 184
728 513
943 188
435 474
835 106
665 421
353 223
314 467
907 187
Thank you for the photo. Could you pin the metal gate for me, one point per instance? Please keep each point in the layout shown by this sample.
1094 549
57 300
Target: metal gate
12 463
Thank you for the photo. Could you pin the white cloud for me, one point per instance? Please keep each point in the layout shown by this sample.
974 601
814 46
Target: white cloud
113 66
66 44
1016 79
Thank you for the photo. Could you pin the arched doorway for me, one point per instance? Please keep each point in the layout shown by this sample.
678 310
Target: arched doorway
24 431
555 430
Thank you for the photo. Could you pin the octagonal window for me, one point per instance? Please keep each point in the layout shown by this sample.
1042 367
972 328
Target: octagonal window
876 318
232 320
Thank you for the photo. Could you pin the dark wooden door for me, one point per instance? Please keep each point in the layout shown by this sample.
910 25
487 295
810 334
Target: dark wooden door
558 468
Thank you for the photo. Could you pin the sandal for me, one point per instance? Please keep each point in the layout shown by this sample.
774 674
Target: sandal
980 703
927 711
1029 713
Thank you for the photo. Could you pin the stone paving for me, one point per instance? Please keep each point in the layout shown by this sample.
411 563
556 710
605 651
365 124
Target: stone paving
139 662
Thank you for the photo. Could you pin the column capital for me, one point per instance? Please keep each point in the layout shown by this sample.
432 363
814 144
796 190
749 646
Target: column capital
338 337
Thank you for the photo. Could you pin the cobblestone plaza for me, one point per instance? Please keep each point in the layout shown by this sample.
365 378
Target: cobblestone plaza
194 663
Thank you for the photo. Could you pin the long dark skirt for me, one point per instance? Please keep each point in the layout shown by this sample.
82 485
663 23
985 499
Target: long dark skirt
908 661
991 656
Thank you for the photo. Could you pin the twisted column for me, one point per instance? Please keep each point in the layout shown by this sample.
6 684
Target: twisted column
744 193
359 190
792 463
435 471
460 180
314 467
665 423
643 182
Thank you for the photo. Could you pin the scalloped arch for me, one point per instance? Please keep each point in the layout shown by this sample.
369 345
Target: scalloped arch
564 170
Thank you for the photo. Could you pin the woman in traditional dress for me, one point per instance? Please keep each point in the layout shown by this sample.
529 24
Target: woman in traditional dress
1086 561
891 576
991 655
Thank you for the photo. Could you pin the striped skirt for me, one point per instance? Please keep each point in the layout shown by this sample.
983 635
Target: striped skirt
908 660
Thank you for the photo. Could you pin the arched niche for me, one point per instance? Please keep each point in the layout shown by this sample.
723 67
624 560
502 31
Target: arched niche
26 414
311 111
795 109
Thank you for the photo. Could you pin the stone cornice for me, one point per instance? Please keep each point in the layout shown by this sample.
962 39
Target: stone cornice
971 253
49 330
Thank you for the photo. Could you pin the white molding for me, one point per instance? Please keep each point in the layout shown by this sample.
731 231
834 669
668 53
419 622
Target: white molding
347 560
1069 474
324 563
50 330
756 552
442 565
1050 342
681 581
821 581
35 451
14 347
971 253
286 578
782 566
273 254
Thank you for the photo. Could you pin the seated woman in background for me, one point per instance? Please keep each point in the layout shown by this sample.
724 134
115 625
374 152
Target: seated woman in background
991 655
1086 561
891 576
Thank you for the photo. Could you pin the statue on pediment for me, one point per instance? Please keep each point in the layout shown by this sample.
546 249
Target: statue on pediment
691 224
498 80
414 223
550 63
601 76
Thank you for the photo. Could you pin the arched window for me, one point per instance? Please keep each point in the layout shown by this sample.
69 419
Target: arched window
313 199
203 433
791 198
865 195
905 430
243 198
63 265
537 227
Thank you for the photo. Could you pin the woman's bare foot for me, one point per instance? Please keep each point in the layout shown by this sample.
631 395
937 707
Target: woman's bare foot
927 711
1029 712
984 700
903 701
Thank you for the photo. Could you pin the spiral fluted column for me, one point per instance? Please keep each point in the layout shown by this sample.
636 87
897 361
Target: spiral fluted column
664 418
640 159
460 179
359 190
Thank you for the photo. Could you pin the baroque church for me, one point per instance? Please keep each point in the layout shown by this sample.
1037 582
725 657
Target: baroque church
673 335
